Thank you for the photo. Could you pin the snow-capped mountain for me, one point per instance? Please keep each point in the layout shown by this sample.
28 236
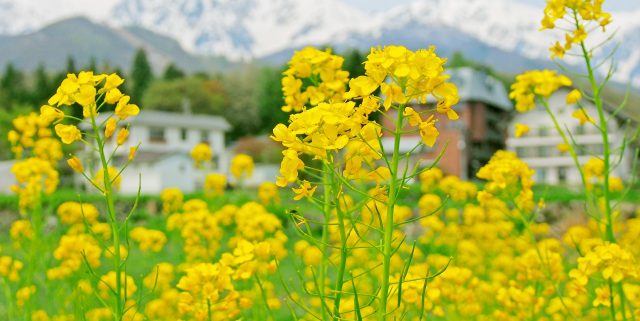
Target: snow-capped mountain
242 29
254 29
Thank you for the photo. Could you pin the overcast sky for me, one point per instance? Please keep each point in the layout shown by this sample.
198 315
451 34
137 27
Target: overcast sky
373 5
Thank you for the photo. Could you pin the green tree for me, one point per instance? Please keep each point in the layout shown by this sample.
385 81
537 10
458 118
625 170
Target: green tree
200 95
42 86
71 65
93 65
172 72
243 109
12 86
353 63
269 98
141 75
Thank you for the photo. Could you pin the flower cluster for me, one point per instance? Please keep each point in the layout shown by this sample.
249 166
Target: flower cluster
34 176
313 76
72 252
534 83
242 166
579 14
32 132
73 213
201 154
507 176
10 268
214 184
148 239
172 199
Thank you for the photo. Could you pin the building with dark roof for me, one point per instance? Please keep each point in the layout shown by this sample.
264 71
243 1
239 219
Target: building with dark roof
468 143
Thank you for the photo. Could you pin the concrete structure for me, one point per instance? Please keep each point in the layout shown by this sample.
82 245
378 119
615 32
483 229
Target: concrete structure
163 158
538 148
470 141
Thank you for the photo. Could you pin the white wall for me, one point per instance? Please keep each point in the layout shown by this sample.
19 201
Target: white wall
538 147
6 177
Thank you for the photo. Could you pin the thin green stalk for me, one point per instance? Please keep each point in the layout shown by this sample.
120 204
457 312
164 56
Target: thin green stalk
326 181
604 130
389 226
108 194
343 255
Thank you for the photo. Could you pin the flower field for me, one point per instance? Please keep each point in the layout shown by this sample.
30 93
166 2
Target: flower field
348 230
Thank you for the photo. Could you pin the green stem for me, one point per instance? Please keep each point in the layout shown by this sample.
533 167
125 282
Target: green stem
389 226
108 194
604 130
326 181
569 144
343 254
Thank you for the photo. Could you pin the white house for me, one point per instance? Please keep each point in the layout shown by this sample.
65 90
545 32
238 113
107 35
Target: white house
163 158
539 149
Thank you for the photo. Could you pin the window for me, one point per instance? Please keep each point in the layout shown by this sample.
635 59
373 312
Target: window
204 136
543 131
595 149
543 151
183 134
562 174
541 174
156 135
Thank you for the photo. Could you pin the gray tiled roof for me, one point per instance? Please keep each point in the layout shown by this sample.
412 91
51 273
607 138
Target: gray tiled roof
163 119
474 85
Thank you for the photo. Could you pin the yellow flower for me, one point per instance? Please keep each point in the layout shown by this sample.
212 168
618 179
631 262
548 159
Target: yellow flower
602 297
113 81
76 164
113 96
447 94
148 240
557 50
68 133
125 110
214 184
50 114
562 147
594 167
132 152
113 175
521 129
582 116
393 94
10 268
573 97
268 193
428 131
616 184
534 83
304 190
108 282
24 294
201 153
412 116
362 86
123 134
289 168
86 97
242 166
172 199
110 127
